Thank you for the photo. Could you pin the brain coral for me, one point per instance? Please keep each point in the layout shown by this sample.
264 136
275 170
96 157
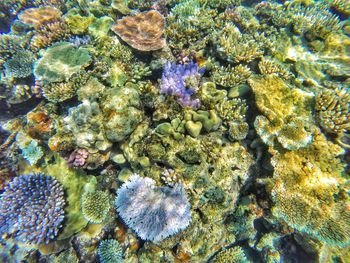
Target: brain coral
110 251
142 31
31 208
153 212
60 62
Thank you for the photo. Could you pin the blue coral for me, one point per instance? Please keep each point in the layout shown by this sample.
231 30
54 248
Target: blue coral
110 251
182 81
155 213
31 208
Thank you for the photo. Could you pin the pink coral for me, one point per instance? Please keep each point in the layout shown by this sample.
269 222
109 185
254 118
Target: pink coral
78 157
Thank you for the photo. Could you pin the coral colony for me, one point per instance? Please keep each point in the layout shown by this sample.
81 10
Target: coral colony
174 131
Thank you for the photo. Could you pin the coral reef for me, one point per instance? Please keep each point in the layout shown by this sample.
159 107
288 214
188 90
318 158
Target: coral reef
143 31
95 206
109 251
32 208
155 213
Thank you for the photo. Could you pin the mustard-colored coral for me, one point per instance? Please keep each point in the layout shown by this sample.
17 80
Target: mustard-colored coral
333 113
231 255
36 17
310 193
143 31
285 112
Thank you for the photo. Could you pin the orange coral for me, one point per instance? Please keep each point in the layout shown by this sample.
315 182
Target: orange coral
36 17
39 125
142 31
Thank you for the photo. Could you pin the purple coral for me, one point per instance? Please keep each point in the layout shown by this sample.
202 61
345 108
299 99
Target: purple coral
182 81
153 212
31 208
78 158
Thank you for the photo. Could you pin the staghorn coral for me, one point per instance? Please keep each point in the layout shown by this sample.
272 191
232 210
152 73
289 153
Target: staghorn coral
36 17
60 62
231 76
233 254
95 206
32 208
236 47
182 81
155 213
333 113
143 31
267 67
20 65
48 34
189 24
110 251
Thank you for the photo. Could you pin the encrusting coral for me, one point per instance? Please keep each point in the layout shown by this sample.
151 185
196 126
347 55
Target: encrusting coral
143 31
32 208
155 213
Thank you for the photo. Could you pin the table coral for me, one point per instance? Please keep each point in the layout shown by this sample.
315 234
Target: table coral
60 62
285 117
32 208
155 213
143 31
36 17
306 185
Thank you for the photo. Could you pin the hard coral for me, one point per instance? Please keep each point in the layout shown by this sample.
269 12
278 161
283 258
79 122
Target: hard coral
110 251
36 17
95 206
333 113
155 213
31 208
182 81
20 65
142 31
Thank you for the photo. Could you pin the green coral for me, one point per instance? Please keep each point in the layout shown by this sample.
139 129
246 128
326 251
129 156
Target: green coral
78 24
231 255
95 206
20 65
110 251
60 62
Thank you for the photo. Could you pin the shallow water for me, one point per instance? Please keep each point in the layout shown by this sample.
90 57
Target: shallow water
174 131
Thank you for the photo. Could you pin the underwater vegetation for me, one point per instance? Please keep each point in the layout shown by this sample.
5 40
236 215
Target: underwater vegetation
174 131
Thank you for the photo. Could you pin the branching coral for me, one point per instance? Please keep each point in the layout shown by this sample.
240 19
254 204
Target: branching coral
95 206
110 251
182 81
333 113
32 208
143 31
231 76
155 213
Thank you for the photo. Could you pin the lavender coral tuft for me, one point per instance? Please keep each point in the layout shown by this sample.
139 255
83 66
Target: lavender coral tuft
31 208
155 213
182 81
